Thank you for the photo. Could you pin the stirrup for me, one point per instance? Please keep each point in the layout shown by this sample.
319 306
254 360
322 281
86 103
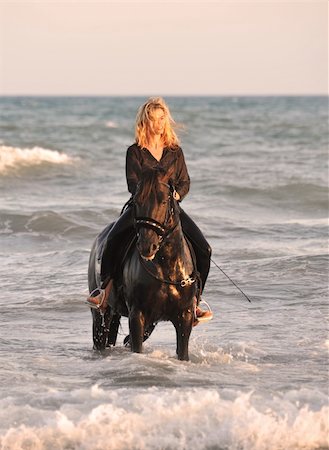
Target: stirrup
201 319
95 293
207 305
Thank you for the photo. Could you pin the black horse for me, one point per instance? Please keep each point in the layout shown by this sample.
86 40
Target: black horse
158 278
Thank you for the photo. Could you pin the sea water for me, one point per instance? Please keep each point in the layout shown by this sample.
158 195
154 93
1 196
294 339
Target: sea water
258 372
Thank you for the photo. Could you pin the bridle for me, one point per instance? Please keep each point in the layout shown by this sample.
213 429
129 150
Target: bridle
162 229
163 232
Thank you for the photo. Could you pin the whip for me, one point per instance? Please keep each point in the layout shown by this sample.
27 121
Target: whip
231 280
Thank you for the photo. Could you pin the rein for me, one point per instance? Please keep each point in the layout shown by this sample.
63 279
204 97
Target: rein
188 281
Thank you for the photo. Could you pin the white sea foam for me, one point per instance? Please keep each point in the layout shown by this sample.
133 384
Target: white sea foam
111 124
13 157
172 419
309 222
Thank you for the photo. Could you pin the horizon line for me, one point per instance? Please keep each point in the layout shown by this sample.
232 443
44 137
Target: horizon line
171 95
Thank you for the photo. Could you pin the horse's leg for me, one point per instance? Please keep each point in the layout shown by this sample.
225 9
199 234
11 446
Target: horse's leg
113 330
136 330
183 326
100 328
147 333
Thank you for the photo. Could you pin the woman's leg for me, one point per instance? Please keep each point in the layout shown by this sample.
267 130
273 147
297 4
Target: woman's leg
202 252
115 238
200 246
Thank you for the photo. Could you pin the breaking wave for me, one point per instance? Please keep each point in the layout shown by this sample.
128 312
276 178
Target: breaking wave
174 419
15 157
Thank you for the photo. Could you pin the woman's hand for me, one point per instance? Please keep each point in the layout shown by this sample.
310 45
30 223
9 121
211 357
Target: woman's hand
176 195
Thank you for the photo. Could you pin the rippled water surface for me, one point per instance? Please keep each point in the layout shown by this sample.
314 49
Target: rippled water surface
258 373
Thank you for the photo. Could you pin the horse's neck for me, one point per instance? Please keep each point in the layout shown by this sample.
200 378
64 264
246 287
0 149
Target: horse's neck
177 253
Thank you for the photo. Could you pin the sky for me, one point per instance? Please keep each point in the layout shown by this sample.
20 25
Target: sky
236 47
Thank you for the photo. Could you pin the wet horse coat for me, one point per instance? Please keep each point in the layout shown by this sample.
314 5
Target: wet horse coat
158 281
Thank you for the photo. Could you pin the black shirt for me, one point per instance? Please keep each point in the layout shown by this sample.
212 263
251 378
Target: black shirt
138 159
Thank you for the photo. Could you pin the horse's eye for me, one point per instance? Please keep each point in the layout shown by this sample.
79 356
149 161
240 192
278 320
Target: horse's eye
164 202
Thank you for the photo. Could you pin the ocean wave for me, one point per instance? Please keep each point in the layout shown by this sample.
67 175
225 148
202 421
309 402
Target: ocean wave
280 191
309 196
15 157
165 419
49 222
314 222
39 222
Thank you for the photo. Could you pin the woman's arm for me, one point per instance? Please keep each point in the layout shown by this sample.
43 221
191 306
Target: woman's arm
182 184
133 169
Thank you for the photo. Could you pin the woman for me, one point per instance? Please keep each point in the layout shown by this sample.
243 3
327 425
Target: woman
156 147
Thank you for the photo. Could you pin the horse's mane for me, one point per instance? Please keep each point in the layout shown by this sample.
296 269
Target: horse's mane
148 184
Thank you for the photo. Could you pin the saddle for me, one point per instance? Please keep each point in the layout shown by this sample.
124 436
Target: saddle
112 251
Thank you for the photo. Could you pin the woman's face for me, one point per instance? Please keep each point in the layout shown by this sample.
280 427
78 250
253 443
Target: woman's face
157 121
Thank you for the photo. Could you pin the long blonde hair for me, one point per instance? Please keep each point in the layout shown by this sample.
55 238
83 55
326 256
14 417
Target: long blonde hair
142 127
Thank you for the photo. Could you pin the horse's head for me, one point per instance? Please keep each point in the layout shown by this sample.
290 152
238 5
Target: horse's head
156 212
